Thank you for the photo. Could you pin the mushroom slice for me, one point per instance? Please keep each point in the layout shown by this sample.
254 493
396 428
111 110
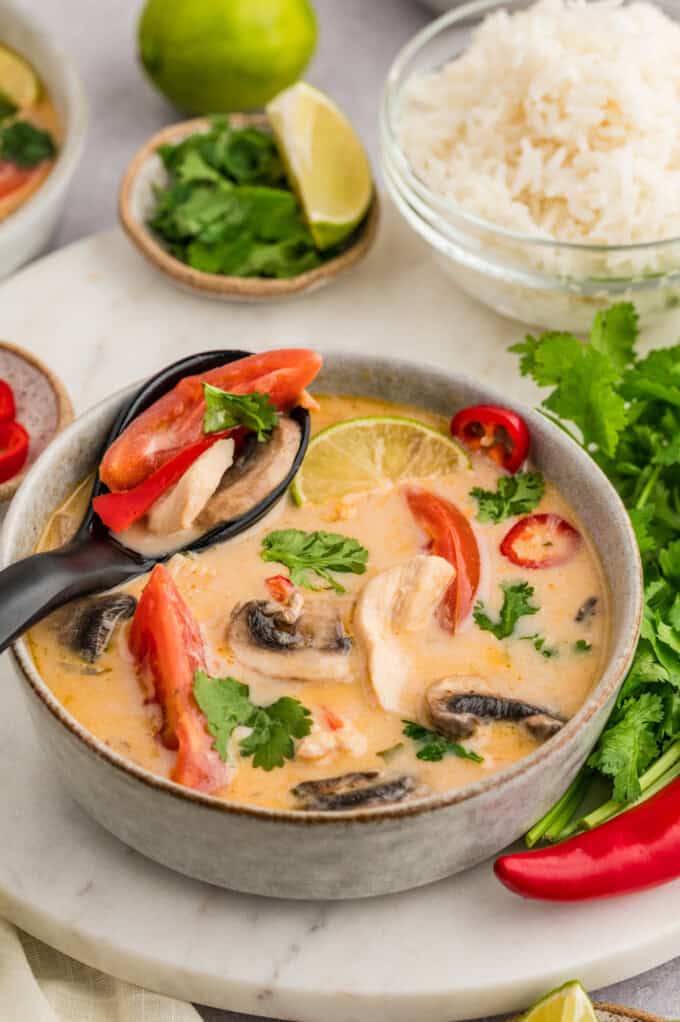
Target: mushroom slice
259 469
91 623
311 646
180 507
401 600
354 791
458 705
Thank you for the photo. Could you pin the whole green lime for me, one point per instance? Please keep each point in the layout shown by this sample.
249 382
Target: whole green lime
215 56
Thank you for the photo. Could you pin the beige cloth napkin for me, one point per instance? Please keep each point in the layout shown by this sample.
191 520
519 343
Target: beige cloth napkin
38 984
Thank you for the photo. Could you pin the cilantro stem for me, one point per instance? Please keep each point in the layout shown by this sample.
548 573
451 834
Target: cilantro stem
557 818
648 487
560 425
661 773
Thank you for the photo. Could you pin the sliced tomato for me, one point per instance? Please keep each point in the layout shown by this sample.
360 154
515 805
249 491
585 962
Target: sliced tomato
280 588
14 444
452 538
13 177
500 433
176 420
119 511
541 541
166 643
7 405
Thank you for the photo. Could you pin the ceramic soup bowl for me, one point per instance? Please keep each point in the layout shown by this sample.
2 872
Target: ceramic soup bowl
366 851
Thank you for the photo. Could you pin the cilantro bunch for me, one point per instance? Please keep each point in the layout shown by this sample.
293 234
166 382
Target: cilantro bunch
624 410
227 207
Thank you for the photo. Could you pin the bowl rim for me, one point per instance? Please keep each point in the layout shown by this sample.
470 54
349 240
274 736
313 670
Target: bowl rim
75 130
395 156
612 674
217 283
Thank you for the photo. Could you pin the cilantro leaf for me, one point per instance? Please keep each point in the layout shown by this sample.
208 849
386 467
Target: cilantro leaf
614 333
540 644
582 646
223 411
7 107
516 604
629 746
669 562
226 705
315 553
25 145
515 495
655 377
434 746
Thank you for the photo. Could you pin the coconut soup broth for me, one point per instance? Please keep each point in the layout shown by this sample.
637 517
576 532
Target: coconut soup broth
43 115
108 699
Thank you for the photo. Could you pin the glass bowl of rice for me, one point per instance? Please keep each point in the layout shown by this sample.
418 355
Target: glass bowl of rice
536 149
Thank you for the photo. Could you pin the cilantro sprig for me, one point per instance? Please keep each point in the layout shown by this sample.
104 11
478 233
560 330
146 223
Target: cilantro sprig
517 494
309 554
25 145
625 411
224 411
516 604
435 746
226 704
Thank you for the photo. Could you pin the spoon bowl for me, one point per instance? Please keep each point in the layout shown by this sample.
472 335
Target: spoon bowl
94 560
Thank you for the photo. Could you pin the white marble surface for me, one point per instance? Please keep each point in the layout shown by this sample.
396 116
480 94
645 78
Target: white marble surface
358 40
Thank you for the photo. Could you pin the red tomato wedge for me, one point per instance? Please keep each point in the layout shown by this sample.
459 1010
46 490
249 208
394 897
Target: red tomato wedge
13 177
280 588
7 406
14 443
541 541
166 643
176 420
452 538
119 511
499 433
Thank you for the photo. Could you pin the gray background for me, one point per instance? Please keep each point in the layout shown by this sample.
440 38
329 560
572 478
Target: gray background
358 39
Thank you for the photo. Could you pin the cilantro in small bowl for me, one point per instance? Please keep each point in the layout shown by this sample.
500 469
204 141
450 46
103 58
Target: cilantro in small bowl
220 215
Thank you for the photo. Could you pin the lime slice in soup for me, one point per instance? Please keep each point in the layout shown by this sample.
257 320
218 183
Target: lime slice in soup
569 1003
18 81
365 454
325 161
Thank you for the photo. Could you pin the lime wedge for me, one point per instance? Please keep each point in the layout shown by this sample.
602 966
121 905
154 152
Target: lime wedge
360 455
569 1003
325 162
18 81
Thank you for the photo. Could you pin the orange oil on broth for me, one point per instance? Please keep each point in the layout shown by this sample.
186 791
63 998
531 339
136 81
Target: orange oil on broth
111 703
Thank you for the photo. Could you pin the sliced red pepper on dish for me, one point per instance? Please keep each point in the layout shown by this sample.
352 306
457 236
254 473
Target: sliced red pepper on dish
175 421
499 433
541 541
332 720
452 538
166 643
8 409
119 511
13 177
14 443
634 851
280 588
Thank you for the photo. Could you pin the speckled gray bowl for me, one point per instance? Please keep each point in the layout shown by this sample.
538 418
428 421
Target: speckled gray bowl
363 852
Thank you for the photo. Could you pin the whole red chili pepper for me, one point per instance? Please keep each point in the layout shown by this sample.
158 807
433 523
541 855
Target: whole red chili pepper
14 443
634 851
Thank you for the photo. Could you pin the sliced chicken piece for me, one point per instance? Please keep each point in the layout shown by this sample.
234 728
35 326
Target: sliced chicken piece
401 600
180 507
256 473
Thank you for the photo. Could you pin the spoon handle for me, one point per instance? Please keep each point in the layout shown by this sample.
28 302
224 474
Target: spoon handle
33 588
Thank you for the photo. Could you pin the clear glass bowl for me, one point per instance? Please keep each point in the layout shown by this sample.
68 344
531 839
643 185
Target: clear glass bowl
551 284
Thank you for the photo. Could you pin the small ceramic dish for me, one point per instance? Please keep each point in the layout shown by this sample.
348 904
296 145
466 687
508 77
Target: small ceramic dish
617 1013
360 852
135 204
27 230
43 406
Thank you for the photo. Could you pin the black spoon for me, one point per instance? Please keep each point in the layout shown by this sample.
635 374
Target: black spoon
93 560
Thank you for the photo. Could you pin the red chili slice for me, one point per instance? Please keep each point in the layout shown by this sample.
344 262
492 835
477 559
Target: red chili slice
499 433
119 511
541 541
7 406
13 177
14 441
280 588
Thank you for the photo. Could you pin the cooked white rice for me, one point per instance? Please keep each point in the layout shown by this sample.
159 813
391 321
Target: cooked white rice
561 122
